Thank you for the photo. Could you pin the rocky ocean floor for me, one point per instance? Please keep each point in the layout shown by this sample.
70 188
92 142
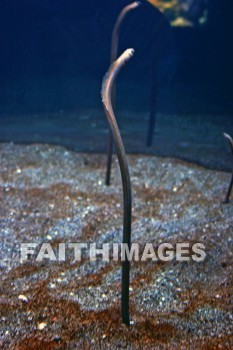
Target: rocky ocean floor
50 194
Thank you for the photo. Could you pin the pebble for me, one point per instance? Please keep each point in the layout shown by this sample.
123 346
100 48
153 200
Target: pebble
23 298
41 326
57 338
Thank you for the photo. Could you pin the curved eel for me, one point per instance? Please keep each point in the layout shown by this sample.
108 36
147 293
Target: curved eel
106 93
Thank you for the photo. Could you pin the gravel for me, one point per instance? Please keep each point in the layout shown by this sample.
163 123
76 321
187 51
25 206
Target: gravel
49 194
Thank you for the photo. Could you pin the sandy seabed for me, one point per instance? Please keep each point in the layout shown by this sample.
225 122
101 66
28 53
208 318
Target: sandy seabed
50 194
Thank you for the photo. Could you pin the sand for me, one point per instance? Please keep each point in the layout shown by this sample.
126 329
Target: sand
50 194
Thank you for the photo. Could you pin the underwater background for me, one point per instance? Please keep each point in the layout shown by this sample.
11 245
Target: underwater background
173 102
54 55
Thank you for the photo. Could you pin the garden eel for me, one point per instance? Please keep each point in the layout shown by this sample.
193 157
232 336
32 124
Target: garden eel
108 83
114 49
227 198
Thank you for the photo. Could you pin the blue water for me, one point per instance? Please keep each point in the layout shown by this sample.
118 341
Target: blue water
54 55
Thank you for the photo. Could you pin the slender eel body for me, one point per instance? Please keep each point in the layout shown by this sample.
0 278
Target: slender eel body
227 198
114 49
108 83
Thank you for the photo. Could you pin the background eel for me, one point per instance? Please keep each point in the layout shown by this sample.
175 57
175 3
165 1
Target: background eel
114 49
227 198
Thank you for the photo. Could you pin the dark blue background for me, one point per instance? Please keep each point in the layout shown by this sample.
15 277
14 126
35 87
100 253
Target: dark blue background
64 38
